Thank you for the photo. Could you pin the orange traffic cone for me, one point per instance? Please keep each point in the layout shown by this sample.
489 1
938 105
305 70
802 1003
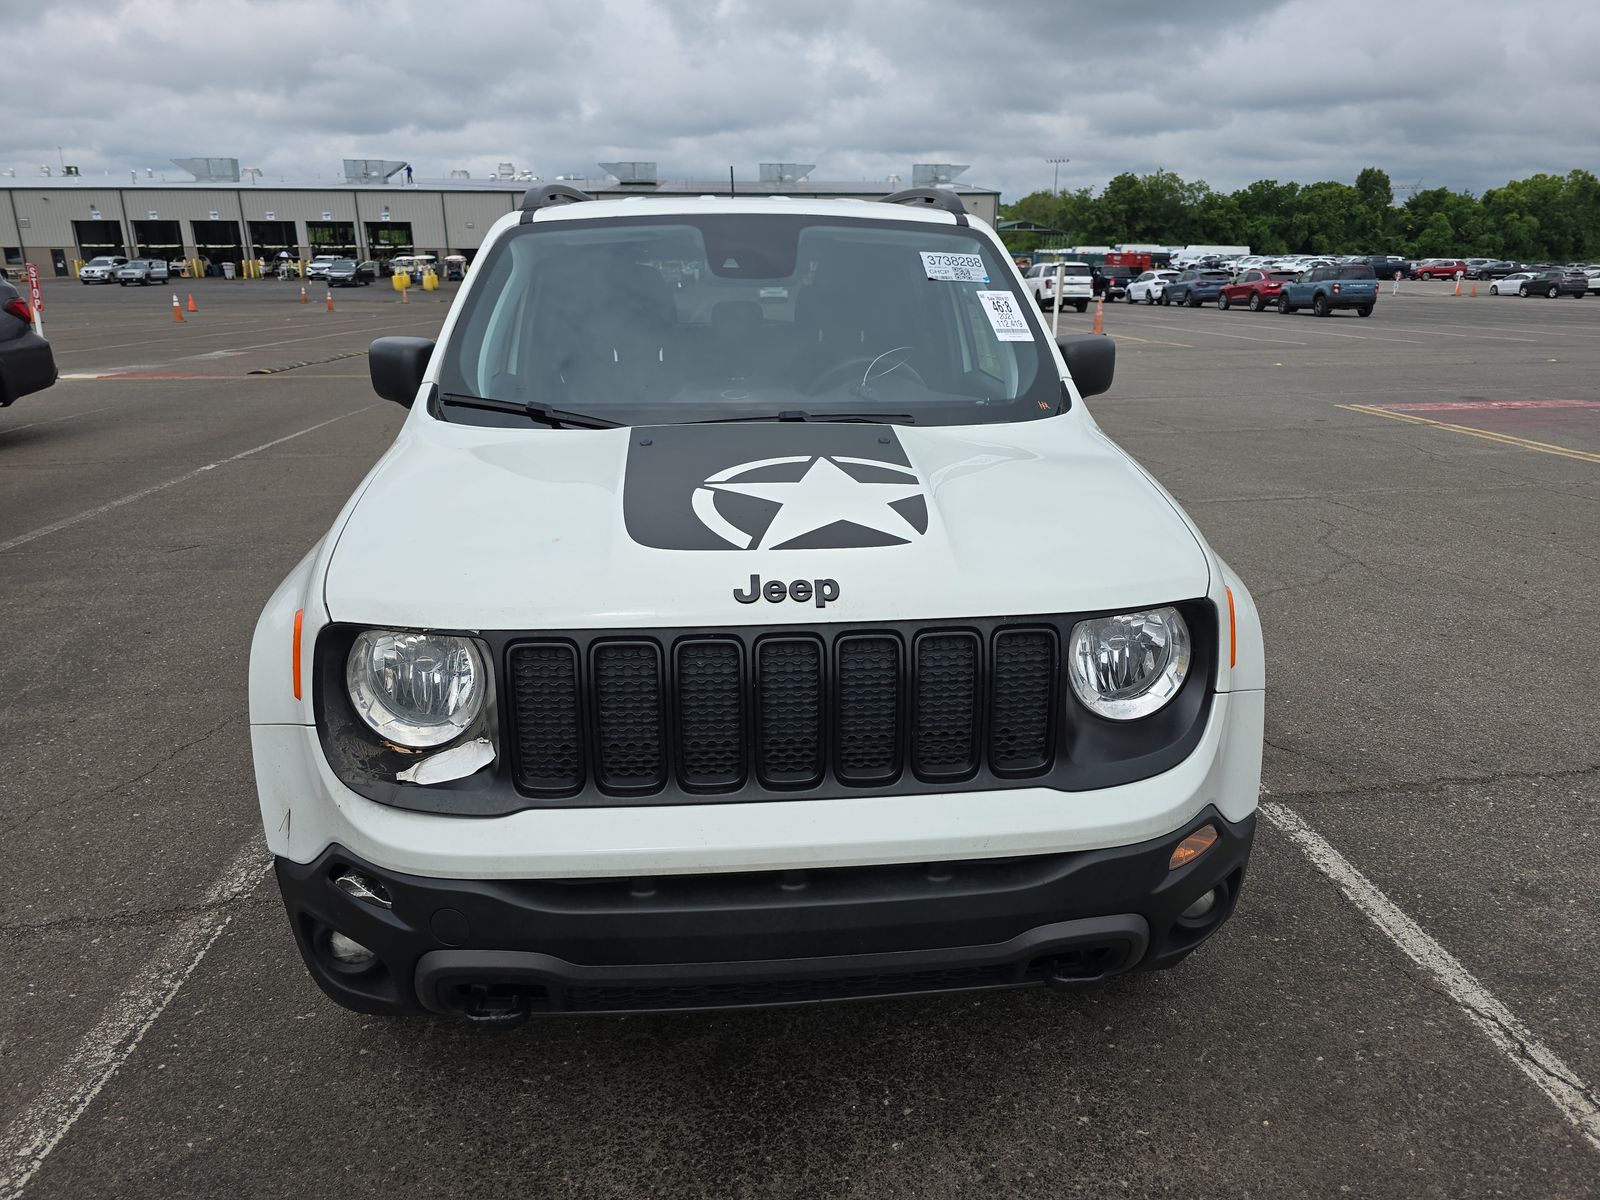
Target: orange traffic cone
192 308
303 299
177 309
1100 315
330 299
403 292
1458 287
1474 291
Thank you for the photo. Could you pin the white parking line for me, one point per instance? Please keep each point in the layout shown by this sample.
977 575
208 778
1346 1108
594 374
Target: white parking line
23 539
1239 337
1563 1085
56 420
39 1128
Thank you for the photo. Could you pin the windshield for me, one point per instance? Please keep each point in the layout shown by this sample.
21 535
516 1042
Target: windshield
705 317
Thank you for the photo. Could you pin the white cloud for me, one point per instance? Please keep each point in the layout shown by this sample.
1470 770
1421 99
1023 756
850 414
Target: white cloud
1460 93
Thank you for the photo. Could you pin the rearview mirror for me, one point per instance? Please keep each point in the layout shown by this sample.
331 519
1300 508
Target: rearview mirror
1091 361
397 365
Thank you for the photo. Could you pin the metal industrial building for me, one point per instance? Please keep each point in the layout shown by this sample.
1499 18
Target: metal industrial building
59 221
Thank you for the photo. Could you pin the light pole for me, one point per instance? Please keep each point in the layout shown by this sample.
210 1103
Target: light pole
1055 178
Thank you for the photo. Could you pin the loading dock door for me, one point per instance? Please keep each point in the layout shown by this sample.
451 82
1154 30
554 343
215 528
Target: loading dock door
385 239
218 241
332 237
271 238
158 239
98 237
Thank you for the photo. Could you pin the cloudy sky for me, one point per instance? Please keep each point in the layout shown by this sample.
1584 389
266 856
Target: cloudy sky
1458 93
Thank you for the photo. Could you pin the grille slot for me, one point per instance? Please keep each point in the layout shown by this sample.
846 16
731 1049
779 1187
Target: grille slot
1022 700
544 686
711 720
945 732
631 747
869 684
789 711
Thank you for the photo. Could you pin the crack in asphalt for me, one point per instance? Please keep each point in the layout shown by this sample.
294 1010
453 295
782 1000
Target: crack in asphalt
120 785
1437 783
133 918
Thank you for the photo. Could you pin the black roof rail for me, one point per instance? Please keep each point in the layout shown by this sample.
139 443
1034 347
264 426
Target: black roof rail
551 193
938 197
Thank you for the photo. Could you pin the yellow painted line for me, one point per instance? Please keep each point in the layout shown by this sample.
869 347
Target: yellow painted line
1488 436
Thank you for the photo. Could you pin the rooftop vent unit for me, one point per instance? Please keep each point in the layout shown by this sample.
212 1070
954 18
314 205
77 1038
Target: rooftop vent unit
935 174
370 170
632 174
210 170
786 172
460 173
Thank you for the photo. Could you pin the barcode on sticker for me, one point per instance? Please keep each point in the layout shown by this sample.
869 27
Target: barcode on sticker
957 268
1005 318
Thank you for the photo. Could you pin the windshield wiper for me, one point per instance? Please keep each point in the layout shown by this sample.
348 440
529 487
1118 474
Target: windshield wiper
795 414
539 414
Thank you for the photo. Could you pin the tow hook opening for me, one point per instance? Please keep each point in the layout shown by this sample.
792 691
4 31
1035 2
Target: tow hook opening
1086 967
502 1004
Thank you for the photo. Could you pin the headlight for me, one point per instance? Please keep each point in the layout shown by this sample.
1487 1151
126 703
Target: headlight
1129 665
417 690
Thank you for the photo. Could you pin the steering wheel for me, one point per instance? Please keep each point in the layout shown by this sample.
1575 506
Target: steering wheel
856 370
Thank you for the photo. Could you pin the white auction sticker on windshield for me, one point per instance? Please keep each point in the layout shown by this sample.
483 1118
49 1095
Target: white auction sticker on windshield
1005 318
956 268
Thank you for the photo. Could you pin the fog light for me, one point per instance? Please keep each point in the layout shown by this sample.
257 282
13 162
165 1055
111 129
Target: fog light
347 950
1201 906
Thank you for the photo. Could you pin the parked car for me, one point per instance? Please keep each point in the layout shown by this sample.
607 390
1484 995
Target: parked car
1255 289
347 272
753 703
1384 266
144 272
1194 287
1323 289
1553 282
1149 286
1440 268
1076 287
101 269
1511 285
318 266
1115 278
27 363
1593 276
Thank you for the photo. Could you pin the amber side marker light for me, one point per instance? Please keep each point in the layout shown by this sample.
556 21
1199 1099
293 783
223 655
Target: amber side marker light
1192 847
1233 632
299 621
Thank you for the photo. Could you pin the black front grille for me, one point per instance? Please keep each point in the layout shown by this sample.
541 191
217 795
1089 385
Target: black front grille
781 712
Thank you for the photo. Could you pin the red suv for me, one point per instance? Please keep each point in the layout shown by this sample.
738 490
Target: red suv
1256 289
1440 268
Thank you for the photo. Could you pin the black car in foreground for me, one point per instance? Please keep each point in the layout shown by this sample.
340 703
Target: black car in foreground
347 272
26 361
1556 281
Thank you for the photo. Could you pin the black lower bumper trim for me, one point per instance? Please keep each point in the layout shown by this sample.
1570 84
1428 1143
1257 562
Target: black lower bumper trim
499 949
480 983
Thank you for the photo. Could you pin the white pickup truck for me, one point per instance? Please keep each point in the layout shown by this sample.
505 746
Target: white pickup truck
1077 288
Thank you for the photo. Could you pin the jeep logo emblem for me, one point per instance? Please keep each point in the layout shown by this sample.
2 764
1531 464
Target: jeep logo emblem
823 591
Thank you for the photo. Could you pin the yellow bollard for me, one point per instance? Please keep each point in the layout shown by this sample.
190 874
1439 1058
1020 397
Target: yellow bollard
430 281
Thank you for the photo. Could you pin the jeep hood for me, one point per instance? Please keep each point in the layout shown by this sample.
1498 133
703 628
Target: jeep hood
469 527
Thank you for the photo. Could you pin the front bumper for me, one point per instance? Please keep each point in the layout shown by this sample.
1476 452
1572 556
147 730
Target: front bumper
499 950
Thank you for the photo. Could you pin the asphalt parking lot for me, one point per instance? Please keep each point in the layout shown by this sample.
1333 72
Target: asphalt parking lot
1403 1006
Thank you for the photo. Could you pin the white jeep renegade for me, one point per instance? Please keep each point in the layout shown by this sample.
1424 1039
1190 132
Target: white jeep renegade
750 612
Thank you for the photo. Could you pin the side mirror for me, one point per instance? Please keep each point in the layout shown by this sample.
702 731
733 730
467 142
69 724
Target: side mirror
1091 361
397 365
